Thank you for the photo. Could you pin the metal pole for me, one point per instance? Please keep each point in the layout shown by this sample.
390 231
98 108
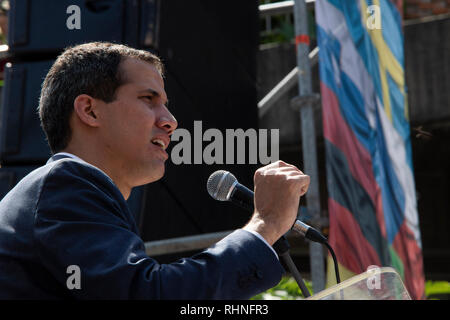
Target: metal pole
286 84
282 7
308 137
182 244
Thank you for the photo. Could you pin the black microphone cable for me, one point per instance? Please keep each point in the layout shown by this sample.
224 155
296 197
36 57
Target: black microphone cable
336 267
312 234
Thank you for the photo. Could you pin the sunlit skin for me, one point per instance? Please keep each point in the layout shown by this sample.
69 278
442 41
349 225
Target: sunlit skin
117 136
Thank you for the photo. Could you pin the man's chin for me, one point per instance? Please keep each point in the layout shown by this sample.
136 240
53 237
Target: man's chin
153 176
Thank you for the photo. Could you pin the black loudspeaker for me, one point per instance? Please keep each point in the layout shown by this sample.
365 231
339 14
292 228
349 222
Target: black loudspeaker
47 26
22 139
38 31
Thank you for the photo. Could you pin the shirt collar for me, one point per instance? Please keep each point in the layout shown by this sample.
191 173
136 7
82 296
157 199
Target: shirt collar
70 155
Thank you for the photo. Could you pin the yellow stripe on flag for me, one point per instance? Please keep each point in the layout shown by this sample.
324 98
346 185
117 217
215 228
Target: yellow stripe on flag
387 61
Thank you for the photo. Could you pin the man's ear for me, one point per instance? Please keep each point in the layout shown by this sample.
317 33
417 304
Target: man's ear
85 108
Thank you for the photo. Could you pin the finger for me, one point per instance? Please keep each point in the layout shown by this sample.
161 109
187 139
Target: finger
302 182
277 164
280 171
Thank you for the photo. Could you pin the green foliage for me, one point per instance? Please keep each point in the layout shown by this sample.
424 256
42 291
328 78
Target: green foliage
283 32
437 290
282 27
287 289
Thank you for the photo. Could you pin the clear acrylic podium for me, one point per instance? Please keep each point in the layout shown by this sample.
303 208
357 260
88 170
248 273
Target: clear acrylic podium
374 284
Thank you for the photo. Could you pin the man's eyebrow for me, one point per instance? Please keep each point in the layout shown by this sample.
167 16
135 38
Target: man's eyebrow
151 91
155 93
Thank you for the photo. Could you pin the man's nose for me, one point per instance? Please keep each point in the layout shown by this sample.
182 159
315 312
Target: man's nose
167 122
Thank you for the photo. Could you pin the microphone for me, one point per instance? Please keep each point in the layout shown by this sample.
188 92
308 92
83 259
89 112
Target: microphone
223 186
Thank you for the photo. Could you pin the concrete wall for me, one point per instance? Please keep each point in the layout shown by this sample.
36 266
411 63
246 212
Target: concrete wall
427 61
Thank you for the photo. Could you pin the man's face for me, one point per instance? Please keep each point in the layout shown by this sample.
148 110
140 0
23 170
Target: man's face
136 126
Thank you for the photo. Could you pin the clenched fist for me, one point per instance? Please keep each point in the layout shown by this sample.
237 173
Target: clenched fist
278 188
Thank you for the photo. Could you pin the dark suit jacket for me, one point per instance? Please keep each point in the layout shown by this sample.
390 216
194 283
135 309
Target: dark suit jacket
70 213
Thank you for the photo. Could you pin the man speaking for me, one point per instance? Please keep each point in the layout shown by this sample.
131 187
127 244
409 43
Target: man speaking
104 111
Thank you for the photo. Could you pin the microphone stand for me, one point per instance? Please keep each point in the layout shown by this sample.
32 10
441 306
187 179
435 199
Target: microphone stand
282 247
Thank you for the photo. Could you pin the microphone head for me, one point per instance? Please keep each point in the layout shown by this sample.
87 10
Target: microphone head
219 185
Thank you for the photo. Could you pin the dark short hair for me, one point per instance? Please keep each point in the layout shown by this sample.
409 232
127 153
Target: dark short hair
91 68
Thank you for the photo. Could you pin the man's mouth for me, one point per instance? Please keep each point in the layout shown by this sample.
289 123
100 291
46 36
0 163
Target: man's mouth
160 143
